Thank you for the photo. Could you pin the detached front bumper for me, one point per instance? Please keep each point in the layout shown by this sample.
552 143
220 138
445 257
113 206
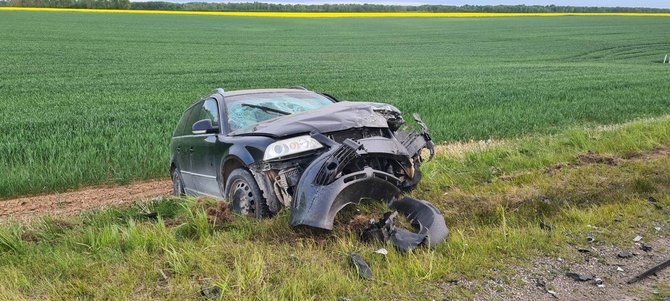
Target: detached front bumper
327 185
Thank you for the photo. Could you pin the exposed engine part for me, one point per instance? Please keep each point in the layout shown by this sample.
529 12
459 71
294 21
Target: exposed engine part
283 181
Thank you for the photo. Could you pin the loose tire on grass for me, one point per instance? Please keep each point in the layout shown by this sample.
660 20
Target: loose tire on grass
244 195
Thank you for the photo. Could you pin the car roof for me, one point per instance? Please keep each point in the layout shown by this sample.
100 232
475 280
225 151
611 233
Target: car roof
257 91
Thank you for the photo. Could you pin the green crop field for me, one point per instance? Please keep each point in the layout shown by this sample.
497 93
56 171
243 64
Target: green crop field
93 98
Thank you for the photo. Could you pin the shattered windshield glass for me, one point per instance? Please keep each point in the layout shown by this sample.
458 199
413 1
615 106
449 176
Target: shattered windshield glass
249 109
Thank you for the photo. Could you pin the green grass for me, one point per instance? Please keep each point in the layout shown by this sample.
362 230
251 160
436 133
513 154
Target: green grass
119 253
93 98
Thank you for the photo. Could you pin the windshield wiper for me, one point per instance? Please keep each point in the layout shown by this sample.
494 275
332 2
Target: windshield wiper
266 109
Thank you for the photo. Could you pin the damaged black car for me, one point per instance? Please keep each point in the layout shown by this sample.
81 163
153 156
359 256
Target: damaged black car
268 149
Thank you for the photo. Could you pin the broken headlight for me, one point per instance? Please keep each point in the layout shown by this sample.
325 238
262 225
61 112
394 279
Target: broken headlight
291 146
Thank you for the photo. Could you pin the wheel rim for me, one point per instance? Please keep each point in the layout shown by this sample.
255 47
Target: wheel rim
242 196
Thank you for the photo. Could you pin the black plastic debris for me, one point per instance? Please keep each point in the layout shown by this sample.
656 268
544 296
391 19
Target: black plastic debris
211 292
646 247
654 202
149 215
421 214
381 231
625 255
362 267
580 250
546 227
579 277
649 272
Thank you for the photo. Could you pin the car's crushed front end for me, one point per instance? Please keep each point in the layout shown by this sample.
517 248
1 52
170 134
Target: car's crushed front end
354 151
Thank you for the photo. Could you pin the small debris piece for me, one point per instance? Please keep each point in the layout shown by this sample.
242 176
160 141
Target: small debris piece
657 229
646 247
648 272
637 238
578 277
380 231
625 255
362 267
619 269
149 215
590 238
580 250
211 292
382 251
165 277
654 202
599 282
546 227
552 293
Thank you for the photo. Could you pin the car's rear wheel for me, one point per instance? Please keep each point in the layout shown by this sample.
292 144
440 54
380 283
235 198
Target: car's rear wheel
177 183
244 195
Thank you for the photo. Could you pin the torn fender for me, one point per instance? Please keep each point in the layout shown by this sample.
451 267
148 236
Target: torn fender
320 194
424 216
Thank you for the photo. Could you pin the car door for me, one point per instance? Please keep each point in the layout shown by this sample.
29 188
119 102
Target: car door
185 150
182 156
205 157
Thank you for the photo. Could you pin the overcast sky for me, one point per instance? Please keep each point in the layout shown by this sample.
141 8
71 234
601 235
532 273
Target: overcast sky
610 3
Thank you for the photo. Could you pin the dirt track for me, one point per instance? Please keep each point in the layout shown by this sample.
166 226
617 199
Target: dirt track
70 203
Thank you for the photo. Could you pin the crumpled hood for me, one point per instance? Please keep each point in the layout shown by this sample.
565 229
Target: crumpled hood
336 117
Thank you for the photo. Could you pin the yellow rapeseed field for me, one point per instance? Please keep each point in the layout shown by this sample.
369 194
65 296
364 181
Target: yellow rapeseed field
328 15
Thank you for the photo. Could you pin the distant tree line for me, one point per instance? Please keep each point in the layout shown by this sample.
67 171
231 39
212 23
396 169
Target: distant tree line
109 4
271 7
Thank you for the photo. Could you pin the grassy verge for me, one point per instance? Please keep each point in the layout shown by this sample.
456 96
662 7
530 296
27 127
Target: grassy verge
494 199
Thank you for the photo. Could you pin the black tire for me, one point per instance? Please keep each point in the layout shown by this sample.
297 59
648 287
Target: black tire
244 195
177 183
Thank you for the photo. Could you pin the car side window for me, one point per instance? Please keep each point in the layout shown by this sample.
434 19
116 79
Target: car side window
192 116
210 111
179 131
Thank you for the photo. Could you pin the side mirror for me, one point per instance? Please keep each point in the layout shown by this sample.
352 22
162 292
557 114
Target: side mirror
204 127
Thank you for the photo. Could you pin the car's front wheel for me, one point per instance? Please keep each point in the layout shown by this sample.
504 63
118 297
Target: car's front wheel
177 183
244 194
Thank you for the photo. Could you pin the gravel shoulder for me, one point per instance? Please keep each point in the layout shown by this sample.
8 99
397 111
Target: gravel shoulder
545 278
26 209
